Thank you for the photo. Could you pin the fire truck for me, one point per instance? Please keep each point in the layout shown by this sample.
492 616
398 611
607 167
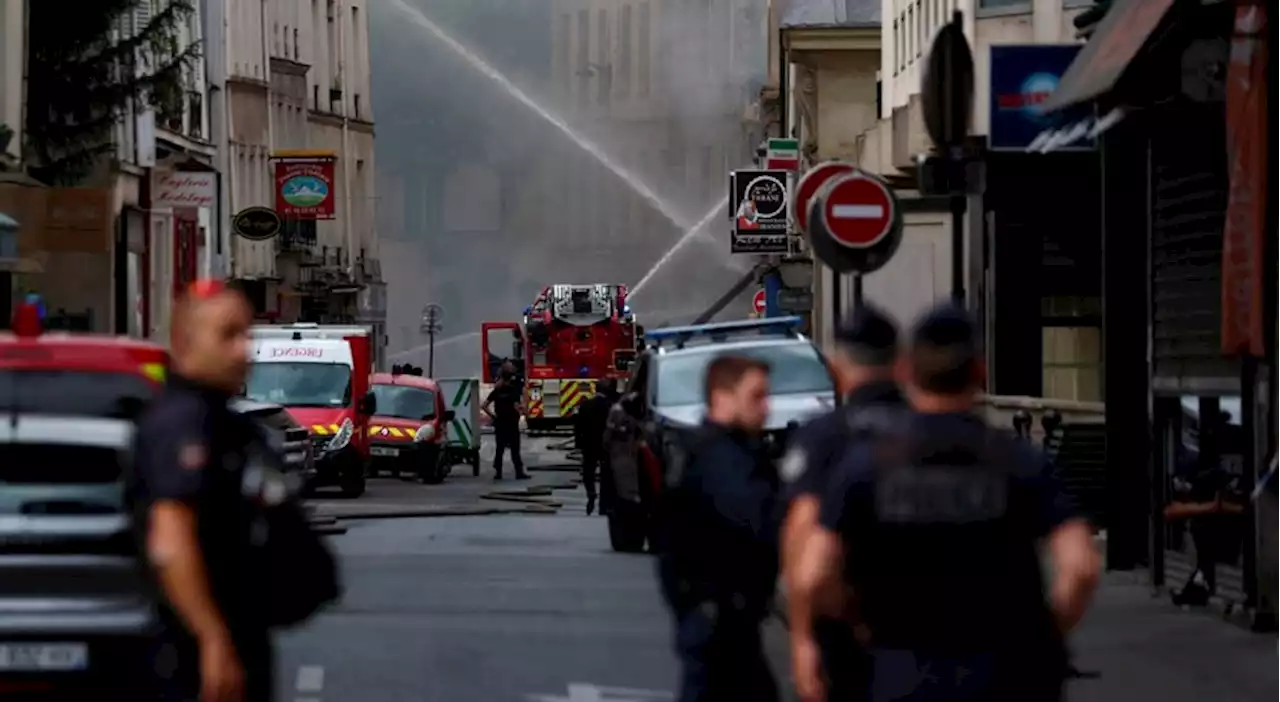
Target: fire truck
571 336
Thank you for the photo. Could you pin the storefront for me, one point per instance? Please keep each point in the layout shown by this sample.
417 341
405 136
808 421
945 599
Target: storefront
1188 287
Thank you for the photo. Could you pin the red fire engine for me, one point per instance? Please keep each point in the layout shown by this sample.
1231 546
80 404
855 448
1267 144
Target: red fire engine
571 336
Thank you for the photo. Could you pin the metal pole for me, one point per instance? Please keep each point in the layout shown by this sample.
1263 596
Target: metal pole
431 352
959 206
857 290
837 301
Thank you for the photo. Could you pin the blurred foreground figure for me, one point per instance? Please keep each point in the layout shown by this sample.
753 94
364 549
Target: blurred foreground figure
718 559
226 539
214 645
936 528
862 361
589 430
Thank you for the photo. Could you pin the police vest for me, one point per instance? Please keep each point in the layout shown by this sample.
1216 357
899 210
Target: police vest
945 557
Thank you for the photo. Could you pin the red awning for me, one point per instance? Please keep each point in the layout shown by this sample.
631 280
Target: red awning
1116 42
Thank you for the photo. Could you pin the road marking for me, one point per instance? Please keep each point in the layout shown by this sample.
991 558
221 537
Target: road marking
310 679
588 692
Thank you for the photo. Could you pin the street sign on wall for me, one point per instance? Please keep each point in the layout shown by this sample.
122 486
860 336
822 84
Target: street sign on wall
782 154
759 201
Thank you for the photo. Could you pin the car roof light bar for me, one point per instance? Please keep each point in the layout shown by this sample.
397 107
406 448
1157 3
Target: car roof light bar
722 331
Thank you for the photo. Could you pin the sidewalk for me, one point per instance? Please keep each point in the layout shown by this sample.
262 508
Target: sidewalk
1146 649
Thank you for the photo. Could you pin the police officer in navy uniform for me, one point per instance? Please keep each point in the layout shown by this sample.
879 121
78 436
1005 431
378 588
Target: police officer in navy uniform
718 551
187 478
936 528
862 362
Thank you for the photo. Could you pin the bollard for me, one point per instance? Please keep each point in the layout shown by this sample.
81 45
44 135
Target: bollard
1022 424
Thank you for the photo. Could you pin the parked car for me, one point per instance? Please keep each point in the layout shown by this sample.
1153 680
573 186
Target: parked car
666 396
285 435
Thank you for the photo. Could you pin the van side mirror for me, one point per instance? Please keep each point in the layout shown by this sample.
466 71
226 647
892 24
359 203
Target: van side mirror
449 415
368 404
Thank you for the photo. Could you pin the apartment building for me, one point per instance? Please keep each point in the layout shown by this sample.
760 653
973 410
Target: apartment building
12 56
299 103
663 86
1032 233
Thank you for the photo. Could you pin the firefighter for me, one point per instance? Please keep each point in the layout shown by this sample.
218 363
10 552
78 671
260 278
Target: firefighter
588 428
507 403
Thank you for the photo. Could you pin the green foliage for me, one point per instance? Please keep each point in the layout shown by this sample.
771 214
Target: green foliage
85 67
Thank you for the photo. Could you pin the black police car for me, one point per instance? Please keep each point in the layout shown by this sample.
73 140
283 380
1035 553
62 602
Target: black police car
666 394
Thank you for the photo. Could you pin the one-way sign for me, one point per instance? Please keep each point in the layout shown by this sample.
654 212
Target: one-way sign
759 204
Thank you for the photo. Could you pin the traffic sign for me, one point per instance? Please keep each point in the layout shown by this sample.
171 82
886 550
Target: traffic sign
809 185
758 302
782 154
858 211
855 224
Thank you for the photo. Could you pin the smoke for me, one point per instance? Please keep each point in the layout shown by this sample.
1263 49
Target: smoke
481 203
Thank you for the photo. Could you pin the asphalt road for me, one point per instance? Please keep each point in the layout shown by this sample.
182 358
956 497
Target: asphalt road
523 608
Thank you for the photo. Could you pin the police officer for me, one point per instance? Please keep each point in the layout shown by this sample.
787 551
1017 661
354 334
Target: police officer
507 402
862 362
718 559
214 643
589 429
936 528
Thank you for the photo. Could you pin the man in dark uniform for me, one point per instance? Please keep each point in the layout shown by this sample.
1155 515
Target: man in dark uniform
936 528
507 403
718 559
862 362
589 428
187 484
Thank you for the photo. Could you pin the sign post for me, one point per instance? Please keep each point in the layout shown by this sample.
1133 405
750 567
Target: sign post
432 324
947 101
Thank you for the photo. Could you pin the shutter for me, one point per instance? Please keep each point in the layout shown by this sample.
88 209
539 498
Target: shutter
1079 450
1188 211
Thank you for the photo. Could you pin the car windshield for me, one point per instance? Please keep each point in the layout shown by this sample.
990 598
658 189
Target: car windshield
74 393
300 384
793 368
405 402
59 479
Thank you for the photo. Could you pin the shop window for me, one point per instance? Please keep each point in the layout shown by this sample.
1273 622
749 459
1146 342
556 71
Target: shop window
1071 348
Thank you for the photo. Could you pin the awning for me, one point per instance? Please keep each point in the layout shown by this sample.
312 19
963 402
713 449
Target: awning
1113 46
1091 127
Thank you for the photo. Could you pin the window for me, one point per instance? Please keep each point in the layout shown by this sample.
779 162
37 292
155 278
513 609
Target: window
645 42
76 393
989 4
1071 348
315 98
794 368
565 68
624 62
49 478
285 38
405 402
604 63
356 100
584 56
920 29
294 384
911 31
295 44
195 115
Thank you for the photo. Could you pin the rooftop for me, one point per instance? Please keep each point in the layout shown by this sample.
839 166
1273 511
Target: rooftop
829 13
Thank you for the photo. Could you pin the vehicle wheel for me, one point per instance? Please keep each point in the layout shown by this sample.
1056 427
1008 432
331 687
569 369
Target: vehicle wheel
626 534
352 486
436 468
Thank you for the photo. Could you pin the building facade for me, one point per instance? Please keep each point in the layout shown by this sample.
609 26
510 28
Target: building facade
298 93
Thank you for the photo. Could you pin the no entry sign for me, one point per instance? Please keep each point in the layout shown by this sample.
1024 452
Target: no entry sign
858 210
758 302
855 224
808 186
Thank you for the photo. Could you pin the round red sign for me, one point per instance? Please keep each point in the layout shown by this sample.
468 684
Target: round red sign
859 211
757 302
809 184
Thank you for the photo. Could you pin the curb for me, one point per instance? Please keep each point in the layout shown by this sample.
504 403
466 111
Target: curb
530 507
526 499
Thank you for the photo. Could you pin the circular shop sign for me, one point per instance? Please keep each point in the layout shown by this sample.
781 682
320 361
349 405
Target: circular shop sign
257 223
767 195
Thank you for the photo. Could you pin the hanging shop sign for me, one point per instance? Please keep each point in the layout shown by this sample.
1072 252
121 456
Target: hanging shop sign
759 203
305 187
257 223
